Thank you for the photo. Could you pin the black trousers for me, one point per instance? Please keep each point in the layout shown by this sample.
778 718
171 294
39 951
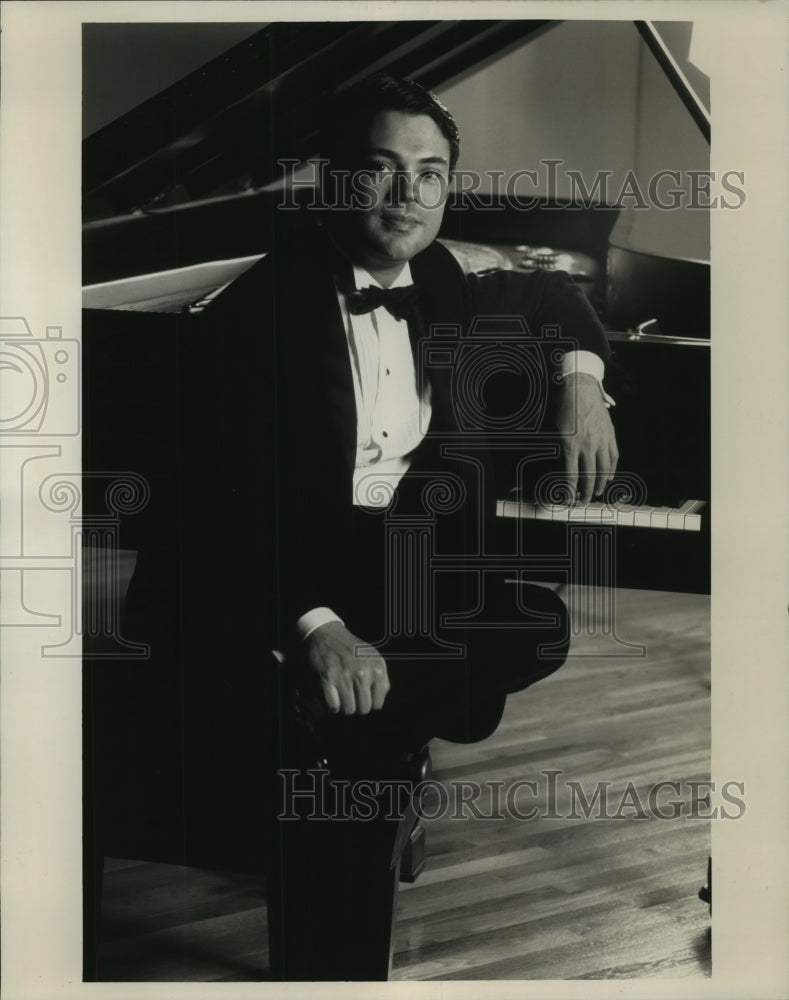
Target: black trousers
330 883
331 879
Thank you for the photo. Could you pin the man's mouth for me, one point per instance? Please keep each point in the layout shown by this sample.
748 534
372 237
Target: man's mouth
400 223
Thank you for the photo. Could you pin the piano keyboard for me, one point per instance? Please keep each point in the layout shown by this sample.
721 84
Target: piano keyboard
686 517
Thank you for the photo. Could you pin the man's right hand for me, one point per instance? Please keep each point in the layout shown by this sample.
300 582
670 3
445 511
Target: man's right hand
353 677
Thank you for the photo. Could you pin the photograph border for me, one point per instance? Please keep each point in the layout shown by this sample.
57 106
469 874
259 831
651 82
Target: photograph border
40 130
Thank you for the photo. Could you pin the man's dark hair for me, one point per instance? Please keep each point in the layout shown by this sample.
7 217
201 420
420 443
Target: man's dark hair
350 112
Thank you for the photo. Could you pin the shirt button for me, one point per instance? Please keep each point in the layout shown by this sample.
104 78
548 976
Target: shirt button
387 371
385 434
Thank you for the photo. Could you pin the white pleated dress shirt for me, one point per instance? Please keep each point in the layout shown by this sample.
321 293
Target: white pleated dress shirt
391 417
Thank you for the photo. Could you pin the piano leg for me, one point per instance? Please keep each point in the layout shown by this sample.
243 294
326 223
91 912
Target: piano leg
331 889
331 877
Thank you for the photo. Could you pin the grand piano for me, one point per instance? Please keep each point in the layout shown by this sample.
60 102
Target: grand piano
180 196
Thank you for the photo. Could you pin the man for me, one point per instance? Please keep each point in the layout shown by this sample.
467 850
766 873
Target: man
342 428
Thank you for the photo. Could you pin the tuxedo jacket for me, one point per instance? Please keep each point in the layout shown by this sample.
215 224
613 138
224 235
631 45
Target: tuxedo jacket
270 423
253 522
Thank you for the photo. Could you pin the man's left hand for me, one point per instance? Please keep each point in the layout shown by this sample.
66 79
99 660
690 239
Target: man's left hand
589 451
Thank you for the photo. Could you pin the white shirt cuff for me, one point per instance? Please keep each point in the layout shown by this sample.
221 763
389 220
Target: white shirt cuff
586 363
583 362
311 620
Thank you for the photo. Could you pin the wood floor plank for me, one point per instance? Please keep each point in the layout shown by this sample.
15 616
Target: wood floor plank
627 881
573 897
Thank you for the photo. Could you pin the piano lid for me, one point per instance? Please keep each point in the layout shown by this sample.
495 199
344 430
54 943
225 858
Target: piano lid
186 178
205 136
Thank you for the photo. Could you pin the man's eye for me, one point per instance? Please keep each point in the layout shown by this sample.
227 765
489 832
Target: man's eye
432 175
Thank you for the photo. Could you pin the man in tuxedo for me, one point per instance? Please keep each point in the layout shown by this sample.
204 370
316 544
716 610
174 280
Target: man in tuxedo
352 467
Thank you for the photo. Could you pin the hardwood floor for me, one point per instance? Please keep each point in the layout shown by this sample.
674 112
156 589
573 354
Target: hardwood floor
577 896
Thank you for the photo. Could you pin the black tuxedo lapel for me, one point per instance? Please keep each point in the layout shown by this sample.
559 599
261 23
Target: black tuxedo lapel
443 301
335 364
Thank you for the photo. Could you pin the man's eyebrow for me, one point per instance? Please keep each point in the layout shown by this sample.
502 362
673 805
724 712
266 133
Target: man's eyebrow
392 155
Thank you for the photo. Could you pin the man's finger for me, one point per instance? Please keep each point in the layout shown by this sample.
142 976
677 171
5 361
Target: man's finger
362 694
331 696
571 473
586 474
347 698
614 451
603 473
380 690
612 455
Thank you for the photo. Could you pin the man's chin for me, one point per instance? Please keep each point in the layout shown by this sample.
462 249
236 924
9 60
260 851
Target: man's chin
400 248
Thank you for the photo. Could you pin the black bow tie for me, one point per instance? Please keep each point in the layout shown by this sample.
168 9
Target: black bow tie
399 301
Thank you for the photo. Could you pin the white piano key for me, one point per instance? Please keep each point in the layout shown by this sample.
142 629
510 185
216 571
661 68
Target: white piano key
593 512
584 514
625 514
610 515
676 517
687 516
693 517
658 518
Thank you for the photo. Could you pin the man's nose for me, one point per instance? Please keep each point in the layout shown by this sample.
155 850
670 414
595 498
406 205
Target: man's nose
403 188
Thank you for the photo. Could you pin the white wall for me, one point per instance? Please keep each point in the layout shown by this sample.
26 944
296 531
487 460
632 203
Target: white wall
568 94
591 94
667 138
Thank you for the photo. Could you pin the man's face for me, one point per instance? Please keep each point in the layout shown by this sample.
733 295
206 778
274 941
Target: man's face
405 174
